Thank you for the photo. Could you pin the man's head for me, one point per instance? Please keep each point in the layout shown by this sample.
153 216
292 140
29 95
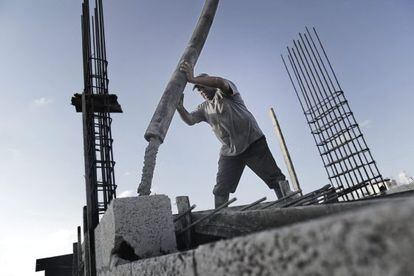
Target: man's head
206 92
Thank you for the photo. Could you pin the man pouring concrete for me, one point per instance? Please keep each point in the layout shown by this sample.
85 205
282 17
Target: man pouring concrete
243 143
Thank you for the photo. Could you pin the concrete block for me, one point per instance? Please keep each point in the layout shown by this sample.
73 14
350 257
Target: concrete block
376 241
180 264
134 228
120 270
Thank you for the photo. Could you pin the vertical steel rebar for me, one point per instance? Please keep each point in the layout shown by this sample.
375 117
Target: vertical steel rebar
352 160
361 144
338 137
334 132
98 153
313 102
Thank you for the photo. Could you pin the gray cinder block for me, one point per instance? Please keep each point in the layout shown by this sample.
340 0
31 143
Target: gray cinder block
134 228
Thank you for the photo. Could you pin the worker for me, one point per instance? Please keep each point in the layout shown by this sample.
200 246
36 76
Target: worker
243 143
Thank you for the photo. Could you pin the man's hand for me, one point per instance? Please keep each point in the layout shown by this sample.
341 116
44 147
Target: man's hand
188 69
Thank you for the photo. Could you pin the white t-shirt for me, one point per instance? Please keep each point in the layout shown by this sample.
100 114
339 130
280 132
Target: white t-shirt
231 121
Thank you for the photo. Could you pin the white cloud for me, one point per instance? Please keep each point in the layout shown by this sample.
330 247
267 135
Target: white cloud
404 178
42 102
365 123
127 173
127 193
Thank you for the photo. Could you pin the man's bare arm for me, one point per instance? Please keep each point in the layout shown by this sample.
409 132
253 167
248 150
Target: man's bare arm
210 81
187 117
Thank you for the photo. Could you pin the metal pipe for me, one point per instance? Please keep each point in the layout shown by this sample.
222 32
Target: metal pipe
177 218
253 204
218 209
283 199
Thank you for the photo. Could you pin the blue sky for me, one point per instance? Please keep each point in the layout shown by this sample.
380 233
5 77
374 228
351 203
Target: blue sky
41 169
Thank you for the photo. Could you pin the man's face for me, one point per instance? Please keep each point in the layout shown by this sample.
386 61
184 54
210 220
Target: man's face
206 92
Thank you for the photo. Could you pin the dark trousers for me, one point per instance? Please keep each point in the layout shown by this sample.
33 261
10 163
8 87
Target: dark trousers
258 158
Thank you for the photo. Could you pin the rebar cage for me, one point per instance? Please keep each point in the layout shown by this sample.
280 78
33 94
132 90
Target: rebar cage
98 124
346 157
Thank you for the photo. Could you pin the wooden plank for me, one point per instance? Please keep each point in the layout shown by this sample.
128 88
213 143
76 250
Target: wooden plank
285 152
183 204
99 103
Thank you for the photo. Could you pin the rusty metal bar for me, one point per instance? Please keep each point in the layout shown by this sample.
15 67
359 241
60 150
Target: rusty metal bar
218 209
252 204
283 199
177 218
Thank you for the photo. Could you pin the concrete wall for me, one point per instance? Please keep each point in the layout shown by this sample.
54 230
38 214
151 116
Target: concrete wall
377 240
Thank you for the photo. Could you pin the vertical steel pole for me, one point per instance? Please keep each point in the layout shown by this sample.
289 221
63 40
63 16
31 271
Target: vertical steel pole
92 217
91 189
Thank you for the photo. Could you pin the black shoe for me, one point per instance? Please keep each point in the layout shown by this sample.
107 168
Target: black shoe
278 193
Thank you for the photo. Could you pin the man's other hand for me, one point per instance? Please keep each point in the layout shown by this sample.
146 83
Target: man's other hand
188 69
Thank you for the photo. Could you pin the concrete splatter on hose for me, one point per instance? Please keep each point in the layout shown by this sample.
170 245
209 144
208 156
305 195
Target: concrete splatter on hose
149 166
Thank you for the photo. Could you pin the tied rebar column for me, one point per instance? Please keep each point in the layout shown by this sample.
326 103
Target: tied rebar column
165 110
96 106
98 120
346 157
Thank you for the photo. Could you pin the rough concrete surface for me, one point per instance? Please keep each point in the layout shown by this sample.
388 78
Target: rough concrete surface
173 265
377 240
134 228
120 270
232 224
